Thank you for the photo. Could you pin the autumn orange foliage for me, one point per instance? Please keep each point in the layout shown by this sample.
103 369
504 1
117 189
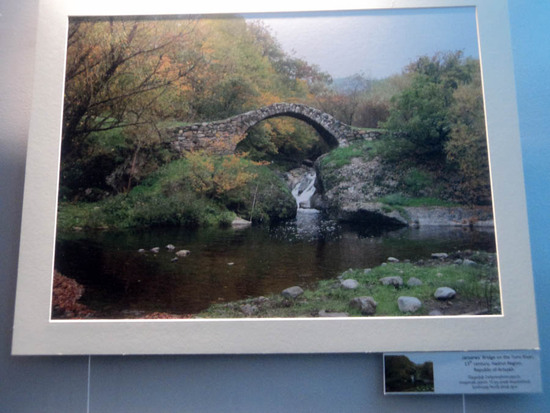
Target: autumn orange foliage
66 293
216 175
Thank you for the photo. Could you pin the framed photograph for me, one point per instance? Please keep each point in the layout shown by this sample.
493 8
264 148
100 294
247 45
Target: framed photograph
290 178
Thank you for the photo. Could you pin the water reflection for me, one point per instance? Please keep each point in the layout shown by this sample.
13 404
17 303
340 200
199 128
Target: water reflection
227 264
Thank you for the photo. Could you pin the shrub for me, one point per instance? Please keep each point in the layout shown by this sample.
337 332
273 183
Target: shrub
417 181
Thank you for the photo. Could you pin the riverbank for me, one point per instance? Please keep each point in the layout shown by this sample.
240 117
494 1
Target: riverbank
198 191
457 283
368 182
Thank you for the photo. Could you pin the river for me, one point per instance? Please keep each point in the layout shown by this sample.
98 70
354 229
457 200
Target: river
230 264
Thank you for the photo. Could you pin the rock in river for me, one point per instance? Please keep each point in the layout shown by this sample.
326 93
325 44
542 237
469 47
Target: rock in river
240 223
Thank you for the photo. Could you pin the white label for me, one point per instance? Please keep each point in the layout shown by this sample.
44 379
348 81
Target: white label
480 372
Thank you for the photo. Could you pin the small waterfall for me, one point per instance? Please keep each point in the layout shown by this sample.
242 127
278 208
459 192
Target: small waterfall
304 190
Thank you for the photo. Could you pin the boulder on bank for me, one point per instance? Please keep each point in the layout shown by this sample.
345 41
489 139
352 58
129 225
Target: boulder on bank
408 304
414 282
249 310
444 293
366 305
396 281
349 284
292 292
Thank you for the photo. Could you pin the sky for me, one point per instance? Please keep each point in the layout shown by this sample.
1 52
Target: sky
375 43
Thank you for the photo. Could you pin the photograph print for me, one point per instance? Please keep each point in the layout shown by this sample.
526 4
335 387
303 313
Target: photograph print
283 165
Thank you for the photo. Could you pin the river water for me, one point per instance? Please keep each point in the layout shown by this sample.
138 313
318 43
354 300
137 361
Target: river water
230 264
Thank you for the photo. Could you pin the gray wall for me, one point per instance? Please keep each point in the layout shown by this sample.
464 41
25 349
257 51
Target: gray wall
319 383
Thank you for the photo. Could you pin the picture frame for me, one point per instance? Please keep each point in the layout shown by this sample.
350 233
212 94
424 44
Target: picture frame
35 333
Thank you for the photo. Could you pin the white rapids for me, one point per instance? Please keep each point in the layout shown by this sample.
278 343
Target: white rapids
304 190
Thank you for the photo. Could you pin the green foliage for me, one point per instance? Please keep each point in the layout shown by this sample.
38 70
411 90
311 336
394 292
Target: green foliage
439 120
467 144
417 181
199 191
421 111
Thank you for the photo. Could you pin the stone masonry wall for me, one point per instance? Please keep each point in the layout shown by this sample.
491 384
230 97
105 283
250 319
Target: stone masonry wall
224 135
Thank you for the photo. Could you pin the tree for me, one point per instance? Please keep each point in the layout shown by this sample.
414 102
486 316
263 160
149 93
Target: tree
123 76
421 111
343 98
215 175
467 143
118 71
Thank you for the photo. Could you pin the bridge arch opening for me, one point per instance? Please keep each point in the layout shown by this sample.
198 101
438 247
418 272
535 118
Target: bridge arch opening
287 138
323 132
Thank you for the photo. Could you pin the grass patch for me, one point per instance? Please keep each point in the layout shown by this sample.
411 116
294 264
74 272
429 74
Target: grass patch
476 287
340 157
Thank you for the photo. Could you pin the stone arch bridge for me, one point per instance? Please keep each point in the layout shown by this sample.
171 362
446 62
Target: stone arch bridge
224 135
